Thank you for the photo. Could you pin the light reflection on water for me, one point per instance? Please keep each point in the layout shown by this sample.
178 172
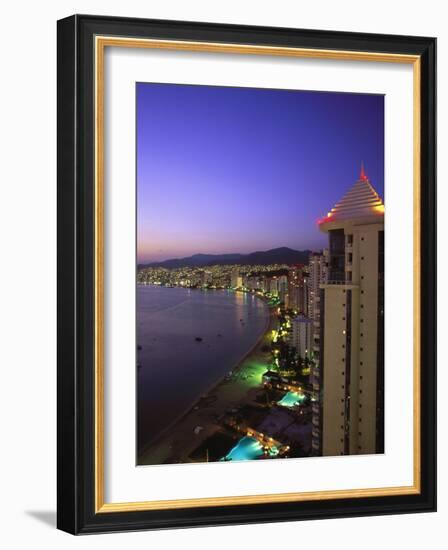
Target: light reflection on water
175 369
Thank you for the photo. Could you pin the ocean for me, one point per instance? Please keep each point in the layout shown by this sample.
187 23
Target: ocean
174 369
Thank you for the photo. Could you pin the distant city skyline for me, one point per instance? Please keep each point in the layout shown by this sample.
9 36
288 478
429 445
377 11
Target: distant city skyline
236 170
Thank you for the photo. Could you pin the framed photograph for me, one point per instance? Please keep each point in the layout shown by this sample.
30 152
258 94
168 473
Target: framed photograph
246 274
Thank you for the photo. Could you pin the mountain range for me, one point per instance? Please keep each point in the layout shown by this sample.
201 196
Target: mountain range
282 255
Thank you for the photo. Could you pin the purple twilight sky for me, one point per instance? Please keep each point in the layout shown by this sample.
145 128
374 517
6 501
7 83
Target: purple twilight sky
241 169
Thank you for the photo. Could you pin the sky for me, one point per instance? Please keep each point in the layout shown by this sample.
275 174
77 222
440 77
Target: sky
222 170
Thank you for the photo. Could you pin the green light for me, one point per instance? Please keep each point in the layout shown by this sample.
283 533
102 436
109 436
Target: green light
247 448
291 399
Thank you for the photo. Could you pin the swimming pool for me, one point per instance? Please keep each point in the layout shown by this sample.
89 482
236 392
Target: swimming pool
247 448
292 399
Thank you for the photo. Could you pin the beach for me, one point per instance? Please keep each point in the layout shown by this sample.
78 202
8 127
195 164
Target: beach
188 340
201 421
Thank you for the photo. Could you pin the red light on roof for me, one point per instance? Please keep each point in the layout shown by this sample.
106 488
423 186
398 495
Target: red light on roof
325 219
363 176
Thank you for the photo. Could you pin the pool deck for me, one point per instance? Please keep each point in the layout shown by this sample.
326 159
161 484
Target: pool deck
241 387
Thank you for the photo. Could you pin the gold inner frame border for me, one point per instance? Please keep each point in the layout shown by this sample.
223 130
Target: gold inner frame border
100 44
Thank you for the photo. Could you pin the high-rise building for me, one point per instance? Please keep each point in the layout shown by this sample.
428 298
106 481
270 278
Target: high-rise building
251 282
348 416
318 270
300 335
273 286
318 275
295 279
236 280
304 293
283 288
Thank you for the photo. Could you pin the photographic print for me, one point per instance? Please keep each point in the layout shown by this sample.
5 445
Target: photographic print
230 309
260 274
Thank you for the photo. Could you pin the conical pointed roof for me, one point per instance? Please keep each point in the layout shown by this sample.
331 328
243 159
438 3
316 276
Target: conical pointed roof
361 201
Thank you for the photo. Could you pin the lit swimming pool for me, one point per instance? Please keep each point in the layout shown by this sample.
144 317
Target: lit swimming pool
247 448
292 399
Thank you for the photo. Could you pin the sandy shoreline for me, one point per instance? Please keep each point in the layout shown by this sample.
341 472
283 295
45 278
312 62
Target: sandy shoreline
178 440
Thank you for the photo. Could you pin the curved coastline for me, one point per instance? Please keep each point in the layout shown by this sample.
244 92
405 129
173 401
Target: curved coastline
191 411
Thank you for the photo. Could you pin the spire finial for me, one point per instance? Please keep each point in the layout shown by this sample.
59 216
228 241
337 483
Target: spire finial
363 175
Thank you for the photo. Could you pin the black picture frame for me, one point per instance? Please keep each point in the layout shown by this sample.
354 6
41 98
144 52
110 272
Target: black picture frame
76 255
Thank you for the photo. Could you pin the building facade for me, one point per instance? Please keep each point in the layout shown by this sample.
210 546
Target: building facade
300 336
236 280
318 273
283 288
298 290
348 414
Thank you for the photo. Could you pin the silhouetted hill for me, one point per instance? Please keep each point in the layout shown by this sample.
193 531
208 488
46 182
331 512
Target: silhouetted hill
282 255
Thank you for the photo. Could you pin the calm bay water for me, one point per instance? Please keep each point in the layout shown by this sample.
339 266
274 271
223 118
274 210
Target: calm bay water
175 369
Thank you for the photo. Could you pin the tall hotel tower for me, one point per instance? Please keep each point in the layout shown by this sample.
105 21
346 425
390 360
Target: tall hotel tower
348 414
